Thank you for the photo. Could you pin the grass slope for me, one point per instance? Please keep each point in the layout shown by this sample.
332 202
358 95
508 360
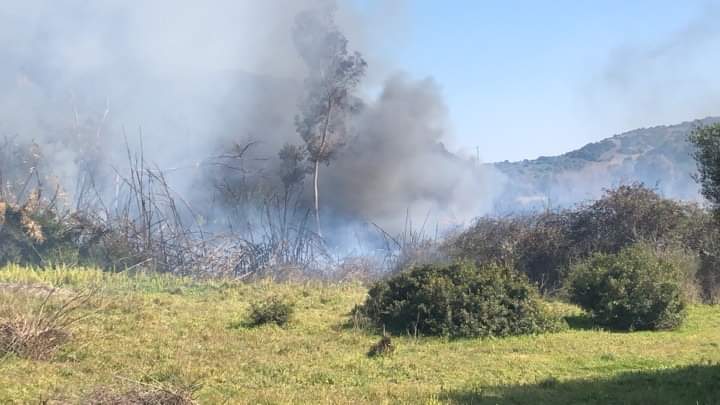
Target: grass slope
160 331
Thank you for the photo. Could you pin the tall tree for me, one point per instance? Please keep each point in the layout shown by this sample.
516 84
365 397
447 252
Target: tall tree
333 77
706 140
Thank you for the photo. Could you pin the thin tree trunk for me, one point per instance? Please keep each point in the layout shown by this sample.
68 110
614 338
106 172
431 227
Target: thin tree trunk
321 150
317 198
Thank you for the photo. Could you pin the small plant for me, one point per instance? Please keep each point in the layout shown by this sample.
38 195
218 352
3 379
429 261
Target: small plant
459 300
273 310
632 290
383 347
38 334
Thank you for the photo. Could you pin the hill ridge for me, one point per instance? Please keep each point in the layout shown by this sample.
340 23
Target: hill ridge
659 156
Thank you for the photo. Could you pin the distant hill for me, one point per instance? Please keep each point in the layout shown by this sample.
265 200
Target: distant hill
659 156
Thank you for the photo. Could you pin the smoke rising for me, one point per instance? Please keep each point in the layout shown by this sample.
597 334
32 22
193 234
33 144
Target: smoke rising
667 81
82 78
398 162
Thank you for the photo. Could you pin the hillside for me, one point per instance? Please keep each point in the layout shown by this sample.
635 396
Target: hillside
150 332
659 156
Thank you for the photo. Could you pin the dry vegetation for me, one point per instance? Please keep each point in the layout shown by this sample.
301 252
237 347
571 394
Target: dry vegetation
144 395
37 332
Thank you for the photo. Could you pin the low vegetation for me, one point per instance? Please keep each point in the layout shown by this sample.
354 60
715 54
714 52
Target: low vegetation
36 332
458 300
384 347
274 310
517 308
159 332
545 245
631 290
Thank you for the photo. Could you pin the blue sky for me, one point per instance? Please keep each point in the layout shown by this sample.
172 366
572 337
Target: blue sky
527 78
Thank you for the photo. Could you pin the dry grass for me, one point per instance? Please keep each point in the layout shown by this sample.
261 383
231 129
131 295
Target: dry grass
37 333
39 290
140 396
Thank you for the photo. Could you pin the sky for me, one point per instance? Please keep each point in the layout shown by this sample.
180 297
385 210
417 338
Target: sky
520 78
523 79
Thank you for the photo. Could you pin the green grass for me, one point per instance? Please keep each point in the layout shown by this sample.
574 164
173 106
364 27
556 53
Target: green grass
162 330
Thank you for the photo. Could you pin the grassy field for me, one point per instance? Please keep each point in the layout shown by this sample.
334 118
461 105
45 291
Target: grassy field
156 331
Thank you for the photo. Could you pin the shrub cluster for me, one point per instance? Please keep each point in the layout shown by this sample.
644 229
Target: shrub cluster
631 290
458 300
544 245
273 310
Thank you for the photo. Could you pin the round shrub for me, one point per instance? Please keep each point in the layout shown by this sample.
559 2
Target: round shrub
632 290
273 310
458 300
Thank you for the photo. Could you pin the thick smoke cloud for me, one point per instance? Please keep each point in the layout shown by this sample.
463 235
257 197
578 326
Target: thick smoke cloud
398 162
79 78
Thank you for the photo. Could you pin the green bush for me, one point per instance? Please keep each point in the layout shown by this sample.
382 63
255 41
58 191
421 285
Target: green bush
458 300
543 245
273 310
634 289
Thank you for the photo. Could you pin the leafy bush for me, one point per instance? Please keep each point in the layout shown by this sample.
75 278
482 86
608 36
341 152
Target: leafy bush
542 251
488 240
458 300
273 310
632 290
706 140
543 245
709 277
623 216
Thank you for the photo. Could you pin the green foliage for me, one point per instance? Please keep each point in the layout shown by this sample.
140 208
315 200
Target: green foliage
272 310
542 249
458 300
625 215
544 245
632 290
154 339
706 140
